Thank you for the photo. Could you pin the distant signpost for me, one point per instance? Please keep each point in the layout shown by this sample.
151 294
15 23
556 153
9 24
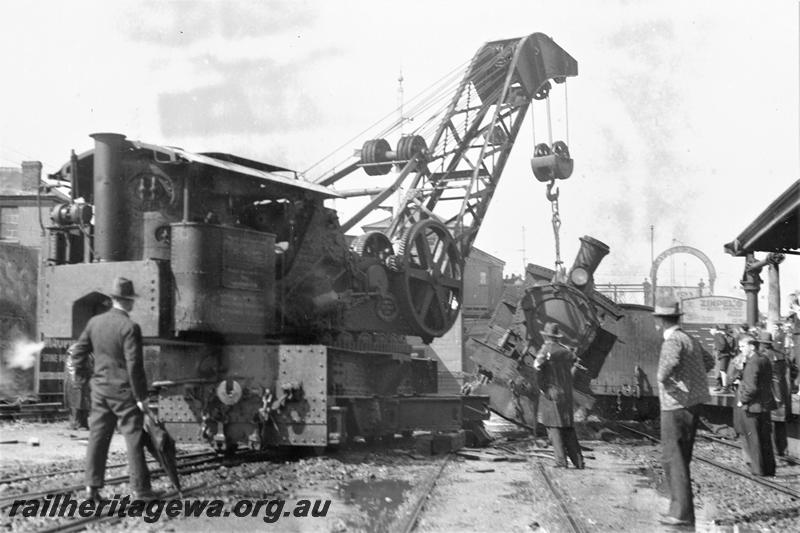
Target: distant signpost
714 310
702 313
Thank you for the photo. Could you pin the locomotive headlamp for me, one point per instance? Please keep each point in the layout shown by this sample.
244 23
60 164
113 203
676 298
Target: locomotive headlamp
579 276
589 256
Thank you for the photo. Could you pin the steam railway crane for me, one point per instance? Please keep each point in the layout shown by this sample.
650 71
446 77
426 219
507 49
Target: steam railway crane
261 324
470 139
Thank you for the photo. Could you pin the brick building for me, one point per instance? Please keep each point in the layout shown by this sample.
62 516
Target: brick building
23 213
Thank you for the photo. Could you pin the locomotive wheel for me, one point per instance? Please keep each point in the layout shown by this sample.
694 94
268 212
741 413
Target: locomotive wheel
431 278
373 244
374 151
409 146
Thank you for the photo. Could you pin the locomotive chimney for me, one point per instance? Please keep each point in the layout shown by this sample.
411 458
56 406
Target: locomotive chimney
110 233
589 256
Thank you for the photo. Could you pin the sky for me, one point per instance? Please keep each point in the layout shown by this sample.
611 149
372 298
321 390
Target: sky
683 118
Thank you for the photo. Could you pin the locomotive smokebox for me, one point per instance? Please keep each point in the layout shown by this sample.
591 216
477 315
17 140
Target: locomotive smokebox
110 229
589 256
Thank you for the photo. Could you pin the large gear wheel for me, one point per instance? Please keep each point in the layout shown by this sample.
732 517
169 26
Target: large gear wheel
373 244
431 280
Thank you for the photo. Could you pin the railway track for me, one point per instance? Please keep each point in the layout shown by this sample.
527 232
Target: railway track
184 468
569 518
195 490
410 520
81 470
702 458
788 458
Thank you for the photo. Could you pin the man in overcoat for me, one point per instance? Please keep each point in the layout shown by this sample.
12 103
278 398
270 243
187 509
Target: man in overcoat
682 368
723 348
555 364
118 389
780 391
756 400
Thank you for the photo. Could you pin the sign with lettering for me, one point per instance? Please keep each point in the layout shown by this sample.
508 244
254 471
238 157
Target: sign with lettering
666 295
714 310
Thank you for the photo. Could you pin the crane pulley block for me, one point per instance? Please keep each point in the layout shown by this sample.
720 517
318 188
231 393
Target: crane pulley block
552 163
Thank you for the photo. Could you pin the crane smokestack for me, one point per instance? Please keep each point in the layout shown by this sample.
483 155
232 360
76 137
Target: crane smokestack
110 231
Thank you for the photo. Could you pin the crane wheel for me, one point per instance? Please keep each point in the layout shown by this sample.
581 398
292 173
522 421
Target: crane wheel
373 244
560 149
430 283
541 150
409 146
374 152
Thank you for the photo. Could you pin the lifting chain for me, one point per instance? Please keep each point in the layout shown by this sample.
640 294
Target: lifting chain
552 196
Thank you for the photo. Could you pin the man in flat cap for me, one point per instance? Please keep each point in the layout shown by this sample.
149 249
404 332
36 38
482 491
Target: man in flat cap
118 389
556 365
682 368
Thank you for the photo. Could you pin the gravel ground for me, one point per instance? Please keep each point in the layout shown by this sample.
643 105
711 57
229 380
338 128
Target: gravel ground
373 489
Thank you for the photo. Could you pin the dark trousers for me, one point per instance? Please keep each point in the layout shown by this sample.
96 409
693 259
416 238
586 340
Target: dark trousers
678 429
780 438
77 398
106 411
565 443
758 437
796 350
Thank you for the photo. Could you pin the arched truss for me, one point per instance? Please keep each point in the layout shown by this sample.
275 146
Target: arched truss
712 273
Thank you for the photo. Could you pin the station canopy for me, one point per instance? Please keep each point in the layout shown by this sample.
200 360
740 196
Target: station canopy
777 229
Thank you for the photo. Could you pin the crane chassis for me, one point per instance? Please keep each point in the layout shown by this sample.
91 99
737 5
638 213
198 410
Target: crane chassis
263 323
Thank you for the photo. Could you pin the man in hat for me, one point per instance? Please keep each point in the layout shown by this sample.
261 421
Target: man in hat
756 401
794 320
118 389
781 380
723 350
556 366
682 368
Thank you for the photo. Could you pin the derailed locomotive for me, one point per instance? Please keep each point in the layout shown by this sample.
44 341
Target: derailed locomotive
262 325
505 355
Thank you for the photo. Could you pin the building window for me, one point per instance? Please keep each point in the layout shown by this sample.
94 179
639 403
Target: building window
484 279
9 223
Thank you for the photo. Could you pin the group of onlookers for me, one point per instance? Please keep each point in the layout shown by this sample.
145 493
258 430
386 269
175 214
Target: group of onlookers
760 364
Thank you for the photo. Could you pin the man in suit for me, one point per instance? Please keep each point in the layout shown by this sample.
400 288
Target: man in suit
756 400
118 389
556 365
682 368
722 350
781 379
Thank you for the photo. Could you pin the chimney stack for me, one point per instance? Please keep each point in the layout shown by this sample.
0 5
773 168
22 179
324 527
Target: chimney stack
31 176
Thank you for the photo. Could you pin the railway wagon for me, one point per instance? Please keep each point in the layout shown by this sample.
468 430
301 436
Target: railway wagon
626 384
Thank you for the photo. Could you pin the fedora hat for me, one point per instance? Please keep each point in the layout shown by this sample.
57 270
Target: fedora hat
765 337
551 329
672 309
122 288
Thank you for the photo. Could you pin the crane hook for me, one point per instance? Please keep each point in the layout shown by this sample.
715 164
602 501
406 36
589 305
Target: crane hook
552 196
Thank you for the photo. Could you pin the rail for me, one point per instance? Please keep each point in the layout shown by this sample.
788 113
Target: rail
757 479
410 521
562 504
